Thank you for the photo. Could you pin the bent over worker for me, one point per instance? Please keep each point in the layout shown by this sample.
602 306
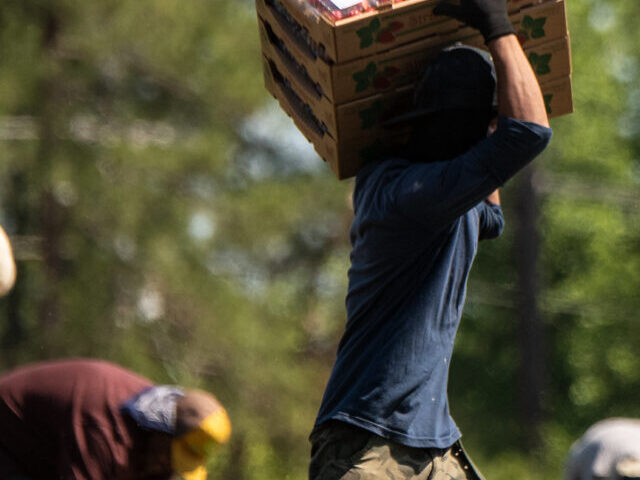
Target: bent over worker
92 420
418 218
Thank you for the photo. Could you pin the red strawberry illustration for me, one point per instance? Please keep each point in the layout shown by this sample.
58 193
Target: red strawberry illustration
395 26
386 37
522 37
381 82
391 71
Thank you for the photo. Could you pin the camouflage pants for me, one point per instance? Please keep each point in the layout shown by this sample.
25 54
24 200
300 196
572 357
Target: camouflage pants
342 452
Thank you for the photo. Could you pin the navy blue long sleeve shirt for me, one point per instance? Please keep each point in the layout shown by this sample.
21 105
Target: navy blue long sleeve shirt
414 237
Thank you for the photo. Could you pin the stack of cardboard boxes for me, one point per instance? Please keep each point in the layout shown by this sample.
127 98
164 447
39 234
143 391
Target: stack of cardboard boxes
341 79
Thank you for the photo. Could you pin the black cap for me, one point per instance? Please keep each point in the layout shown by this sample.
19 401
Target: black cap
460 77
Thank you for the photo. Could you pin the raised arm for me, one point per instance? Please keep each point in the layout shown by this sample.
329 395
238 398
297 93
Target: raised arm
519 94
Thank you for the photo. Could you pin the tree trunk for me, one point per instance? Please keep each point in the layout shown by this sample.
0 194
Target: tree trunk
527 246
234 470
51 215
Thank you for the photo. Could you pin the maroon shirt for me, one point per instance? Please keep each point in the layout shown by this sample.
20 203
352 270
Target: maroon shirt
62 420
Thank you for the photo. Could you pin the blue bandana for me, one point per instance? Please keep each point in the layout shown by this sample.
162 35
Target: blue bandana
154 408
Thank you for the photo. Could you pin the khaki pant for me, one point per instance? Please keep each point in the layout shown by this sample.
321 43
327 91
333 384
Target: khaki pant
342 452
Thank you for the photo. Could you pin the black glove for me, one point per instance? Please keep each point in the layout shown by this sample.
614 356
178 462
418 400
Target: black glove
488 16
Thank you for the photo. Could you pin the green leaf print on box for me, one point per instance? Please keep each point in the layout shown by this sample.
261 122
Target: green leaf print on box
364 78
540 63
547 103
371 77
375 33
369 117
369 33
531 28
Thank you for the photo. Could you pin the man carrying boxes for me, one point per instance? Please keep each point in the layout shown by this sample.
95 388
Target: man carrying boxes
340 80
418 220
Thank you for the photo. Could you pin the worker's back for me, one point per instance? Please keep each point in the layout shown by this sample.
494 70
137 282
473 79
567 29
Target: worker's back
62 420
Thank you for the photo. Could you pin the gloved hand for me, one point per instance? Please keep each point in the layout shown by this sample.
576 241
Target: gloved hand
488 16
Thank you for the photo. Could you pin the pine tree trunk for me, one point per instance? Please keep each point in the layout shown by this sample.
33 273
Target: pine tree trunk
50 212
527 246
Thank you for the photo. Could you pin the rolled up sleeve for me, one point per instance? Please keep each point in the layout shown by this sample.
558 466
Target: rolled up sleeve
491 221
513 145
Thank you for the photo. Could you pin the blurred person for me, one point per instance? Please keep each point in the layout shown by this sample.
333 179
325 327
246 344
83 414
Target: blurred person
84 419
609 450
418 219
7 264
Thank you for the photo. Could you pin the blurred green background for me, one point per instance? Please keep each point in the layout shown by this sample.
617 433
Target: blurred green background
167 216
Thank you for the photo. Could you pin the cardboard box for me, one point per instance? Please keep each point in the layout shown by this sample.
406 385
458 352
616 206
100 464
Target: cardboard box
558 96
345 82
365 34
550 61
362 134
344 157
339 81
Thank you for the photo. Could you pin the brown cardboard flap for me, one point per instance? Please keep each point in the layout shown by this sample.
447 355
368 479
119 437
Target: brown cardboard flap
346 121
342 83
558 96
369 33
274 46
298 80
365 138
280 87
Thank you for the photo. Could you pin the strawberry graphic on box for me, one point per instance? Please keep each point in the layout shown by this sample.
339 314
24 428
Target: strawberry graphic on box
540 63
522 37
531 28
387 35
380 82
383 109
371 77
376 33
370 117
